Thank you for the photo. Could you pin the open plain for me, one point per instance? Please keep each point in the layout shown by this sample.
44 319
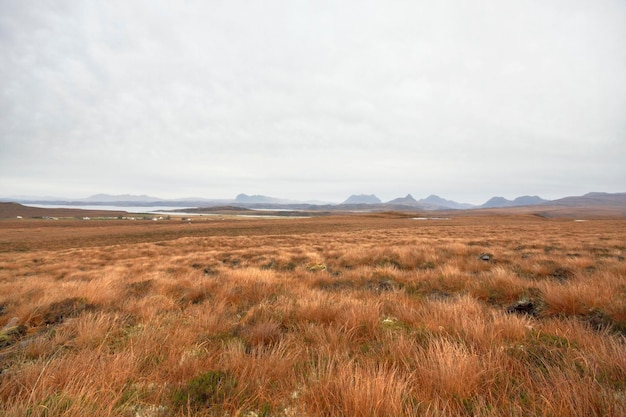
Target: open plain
379 314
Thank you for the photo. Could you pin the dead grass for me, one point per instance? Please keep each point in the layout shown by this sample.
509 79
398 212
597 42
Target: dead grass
356 315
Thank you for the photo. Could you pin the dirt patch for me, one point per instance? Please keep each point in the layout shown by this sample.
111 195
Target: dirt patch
382 284
561 274
58 311
139 289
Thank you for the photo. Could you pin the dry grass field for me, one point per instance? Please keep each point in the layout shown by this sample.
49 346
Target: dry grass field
359 315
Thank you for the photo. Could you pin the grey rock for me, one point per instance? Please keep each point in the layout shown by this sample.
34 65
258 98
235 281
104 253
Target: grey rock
523 307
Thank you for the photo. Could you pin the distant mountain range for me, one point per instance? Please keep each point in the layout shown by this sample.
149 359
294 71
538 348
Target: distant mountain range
591 199
107 198
354 202
261 199
434 202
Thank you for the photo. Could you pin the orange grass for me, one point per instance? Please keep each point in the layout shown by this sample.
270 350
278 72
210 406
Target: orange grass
339 316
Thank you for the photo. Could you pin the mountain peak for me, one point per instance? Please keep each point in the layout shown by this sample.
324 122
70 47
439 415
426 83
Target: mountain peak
409 200
528 200
497 201
362 199
434 201
525 200
255 199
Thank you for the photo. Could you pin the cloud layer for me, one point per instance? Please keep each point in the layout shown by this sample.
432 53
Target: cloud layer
313 99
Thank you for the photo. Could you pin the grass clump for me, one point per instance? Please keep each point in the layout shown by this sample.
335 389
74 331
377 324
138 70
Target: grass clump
209 390
11 334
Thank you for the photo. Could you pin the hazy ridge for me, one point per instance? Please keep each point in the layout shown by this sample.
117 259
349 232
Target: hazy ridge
353 202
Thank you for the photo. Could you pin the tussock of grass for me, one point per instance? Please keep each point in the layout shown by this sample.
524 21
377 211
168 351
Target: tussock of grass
359 316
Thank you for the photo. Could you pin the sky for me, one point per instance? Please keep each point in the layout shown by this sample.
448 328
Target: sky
313 100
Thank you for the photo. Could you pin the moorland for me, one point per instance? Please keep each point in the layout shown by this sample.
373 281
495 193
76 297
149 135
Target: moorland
495 313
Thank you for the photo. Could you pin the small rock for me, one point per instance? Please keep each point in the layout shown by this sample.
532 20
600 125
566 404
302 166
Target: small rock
523 307
485 257
12 323
12 332
210 272
382 284
150 411
316 267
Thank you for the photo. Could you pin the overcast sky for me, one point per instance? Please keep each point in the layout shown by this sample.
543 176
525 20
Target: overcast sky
313 100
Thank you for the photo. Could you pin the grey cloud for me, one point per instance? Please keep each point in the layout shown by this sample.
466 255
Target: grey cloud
411 95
